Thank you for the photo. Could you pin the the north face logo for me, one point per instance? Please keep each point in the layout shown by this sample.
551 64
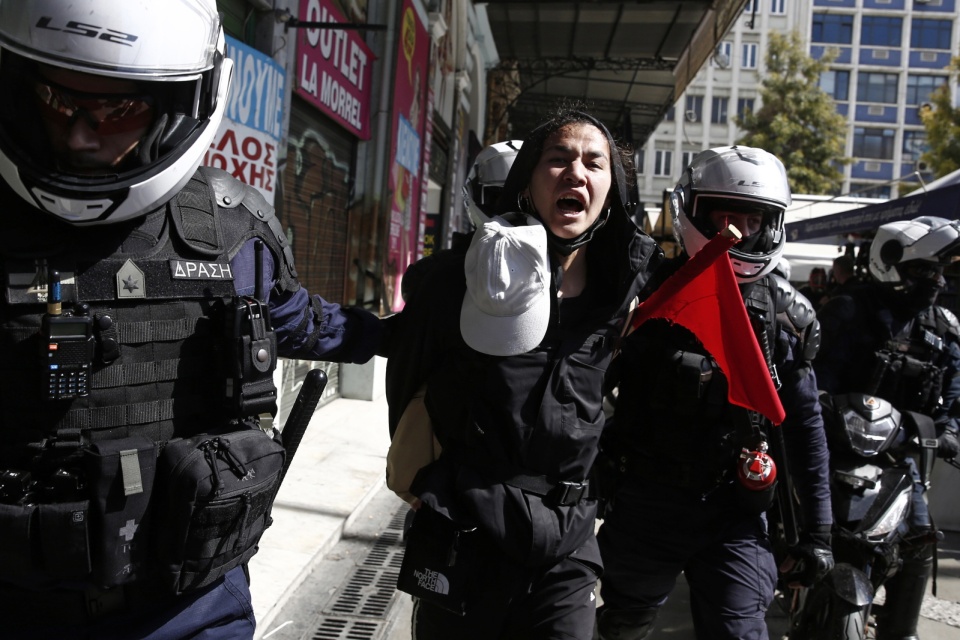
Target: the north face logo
432 581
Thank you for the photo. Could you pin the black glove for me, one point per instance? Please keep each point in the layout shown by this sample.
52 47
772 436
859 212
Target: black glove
810 560
948 445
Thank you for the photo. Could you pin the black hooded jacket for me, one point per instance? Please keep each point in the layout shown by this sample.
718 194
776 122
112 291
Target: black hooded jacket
537 414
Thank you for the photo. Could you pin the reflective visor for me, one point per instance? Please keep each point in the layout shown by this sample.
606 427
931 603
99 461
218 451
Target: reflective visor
105 113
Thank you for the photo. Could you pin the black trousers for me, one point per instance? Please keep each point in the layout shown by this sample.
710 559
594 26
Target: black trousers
511 602
656 532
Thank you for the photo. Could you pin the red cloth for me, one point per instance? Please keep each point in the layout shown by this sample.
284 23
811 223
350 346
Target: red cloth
703 297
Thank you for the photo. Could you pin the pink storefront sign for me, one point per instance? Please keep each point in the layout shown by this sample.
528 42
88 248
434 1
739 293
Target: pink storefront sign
334 68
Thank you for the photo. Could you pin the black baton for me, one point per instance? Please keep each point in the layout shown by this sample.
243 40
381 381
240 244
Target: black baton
303 408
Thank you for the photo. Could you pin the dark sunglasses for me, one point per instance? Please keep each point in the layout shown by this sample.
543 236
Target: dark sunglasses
105 113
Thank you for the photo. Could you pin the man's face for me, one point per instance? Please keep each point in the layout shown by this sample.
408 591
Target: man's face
746 223
93 123
570 185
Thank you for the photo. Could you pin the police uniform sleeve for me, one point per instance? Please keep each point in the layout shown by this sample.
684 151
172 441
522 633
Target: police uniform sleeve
804 435
948 418
836 348
307 326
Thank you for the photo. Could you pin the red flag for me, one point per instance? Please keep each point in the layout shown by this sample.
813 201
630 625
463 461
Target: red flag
703 297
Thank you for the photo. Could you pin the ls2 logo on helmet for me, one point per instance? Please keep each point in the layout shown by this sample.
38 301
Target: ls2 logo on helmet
89 31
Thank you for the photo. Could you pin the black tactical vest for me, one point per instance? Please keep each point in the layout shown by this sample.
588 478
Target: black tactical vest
672 412
908 369
152 289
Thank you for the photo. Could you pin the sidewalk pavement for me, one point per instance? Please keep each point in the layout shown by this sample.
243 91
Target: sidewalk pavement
338 467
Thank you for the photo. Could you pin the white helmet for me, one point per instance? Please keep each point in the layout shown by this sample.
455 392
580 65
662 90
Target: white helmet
736 179
173 50
485 180
927 239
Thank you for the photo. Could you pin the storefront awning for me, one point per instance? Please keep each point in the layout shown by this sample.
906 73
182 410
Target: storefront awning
629 60
943 203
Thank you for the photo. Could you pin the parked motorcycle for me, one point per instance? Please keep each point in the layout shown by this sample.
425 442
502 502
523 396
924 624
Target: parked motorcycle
877 454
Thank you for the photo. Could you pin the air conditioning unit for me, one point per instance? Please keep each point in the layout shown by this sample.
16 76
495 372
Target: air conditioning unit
690 115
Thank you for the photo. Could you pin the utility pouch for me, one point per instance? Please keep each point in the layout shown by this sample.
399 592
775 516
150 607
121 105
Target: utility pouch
121 473
215 504
439 561
18 525
64 538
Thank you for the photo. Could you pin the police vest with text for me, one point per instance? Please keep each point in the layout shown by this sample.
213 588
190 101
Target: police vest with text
125 343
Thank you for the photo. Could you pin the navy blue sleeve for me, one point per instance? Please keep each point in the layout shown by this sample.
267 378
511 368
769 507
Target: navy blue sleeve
838 352
307 326
803 433
948 417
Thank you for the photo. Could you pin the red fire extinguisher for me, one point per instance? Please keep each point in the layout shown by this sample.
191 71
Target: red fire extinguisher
757 478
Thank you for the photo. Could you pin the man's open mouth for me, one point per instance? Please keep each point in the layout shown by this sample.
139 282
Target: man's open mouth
570 205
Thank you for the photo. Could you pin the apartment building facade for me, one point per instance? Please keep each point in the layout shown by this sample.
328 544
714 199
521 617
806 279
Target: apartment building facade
890 56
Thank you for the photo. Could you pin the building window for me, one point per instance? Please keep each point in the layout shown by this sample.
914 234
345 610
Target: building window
881 31
914 145
777 7
662 161
832 28
751 6
694 111
718 115
748 55
930 34
873 143
836 84
744 106
919 88
686 158
877 87
670 115
869 190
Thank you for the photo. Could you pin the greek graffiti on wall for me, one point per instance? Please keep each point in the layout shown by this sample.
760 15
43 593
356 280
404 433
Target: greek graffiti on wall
317 199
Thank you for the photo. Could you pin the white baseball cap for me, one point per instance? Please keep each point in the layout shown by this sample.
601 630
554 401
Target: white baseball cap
506 308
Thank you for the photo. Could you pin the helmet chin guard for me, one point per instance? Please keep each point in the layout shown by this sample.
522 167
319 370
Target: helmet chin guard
129 41
738 179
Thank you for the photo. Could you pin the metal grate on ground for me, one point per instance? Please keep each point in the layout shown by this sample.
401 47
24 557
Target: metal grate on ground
360 607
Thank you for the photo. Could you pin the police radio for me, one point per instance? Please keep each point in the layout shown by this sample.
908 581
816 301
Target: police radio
66 347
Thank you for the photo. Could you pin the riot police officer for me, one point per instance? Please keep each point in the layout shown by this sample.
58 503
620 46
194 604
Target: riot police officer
890 338
484 183
129 276
678 505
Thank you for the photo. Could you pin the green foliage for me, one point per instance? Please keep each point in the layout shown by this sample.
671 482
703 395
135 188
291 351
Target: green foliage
942 123
798 122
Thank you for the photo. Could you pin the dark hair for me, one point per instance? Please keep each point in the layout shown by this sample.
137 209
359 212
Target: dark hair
844 264
529 155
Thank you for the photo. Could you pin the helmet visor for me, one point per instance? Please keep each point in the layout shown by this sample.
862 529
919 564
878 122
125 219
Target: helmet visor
106 114
760 223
